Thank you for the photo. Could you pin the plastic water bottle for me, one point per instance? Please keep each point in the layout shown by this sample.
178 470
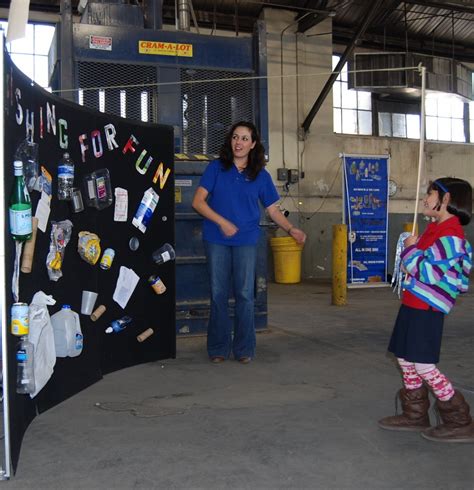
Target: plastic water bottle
65 178
25 376
79 343
68 338
119 325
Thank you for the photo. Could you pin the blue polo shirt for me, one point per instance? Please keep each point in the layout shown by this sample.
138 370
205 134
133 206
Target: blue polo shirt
235 197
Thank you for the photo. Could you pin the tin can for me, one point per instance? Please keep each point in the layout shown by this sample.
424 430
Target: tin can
107 258
157 284
20 319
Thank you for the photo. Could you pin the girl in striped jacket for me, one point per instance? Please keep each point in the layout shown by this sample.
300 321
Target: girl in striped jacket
437 266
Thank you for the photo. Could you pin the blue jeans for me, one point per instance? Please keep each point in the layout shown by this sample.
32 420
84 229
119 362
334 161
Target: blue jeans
231 265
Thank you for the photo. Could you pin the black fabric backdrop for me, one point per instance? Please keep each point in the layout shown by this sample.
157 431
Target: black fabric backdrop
102 353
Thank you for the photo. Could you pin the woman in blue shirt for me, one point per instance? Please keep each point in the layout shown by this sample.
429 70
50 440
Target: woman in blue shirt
228 198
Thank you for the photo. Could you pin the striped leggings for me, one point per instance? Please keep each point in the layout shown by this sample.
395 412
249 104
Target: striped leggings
414 373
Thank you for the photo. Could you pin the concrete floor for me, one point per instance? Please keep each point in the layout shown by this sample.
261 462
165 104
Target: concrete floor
302 415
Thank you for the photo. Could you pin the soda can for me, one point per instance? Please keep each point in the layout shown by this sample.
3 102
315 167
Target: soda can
107 258
20 319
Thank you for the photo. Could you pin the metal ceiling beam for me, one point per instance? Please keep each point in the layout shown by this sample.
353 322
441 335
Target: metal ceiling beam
208 18
423 45
387 11
369 14
454 6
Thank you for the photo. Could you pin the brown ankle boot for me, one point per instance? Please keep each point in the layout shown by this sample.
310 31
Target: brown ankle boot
457 423
415 405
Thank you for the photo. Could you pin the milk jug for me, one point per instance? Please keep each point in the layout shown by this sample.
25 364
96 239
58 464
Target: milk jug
68 339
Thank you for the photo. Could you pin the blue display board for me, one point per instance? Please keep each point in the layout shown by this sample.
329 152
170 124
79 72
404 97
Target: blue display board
366 216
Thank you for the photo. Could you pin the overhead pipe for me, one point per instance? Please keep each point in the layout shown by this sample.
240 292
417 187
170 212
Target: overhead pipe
291 24
193 16
184 15
368 15
236 17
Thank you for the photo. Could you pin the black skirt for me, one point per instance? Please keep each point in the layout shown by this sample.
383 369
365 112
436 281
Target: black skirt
417 335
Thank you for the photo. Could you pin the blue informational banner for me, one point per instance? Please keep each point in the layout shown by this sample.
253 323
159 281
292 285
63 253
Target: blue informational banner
366 216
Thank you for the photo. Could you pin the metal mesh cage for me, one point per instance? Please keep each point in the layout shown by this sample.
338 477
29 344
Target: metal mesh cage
211 100
138 102
211 105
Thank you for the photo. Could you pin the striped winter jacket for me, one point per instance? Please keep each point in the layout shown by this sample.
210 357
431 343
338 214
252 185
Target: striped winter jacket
438 274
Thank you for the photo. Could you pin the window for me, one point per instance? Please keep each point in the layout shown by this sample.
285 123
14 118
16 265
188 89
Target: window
444 118
352 109
394 115
471 121
398 119
399 125
30 54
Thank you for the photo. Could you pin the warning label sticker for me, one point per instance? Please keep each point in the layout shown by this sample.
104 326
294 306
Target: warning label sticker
100 42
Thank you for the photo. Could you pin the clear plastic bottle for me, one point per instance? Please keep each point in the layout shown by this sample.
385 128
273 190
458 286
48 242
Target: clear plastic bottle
68 339
98 189
163 254
21 224
65 178
25 375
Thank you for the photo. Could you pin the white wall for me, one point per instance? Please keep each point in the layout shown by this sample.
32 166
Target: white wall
309 56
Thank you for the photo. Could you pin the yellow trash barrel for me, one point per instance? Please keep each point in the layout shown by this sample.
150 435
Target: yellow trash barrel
286 259
409 227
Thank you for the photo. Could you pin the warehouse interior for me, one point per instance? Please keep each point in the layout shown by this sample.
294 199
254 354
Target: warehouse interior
304 414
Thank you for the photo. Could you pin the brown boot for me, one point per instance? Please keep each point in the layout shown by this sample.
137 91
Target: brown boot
457 423
415 405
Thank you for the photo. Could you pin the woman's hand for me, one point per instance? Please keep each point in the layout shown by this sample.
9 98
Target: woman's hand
410 240
200 205
277 216
228 228
298 235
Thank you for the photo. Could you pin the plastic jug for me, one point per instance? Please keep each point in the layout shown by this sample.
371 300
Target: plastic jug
68 339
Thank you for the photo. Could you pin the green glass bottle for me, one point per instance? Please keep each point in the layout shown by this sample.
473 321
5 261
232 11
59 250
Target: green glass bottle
20 206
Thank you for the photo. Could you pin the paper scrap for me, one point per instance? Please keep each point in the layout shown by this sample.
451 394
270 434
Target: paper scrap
126 284
42 211
121 204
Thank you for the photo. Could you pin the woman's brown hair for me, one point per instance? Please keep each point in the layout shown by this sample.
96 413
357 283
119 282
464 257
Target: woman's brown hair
256 161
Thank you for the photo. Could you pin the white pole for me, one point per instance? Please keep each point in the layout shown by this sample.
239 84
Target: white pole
5 470
421 155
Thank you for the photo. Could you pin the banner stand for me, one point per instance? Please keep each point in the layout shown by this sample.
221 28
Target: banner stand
365 212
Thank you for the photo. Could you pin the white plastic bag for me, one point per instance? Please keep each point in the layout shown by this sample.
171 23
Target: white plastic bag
42 337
